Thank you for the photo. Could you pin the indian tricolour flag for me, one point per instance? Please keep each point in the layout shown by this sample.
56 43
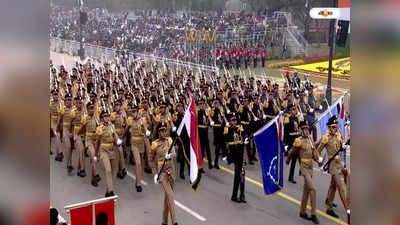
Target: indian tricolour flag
196 161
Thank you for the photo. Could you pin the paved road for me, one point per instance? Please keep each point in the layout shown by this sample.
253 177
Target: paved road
211 202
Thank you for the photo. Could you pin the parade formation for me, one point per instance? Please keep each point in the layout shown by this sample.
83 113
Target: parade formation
114 114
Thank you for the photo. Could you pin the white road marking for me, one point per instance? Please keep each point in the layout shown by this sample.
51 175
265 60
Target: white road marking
133 177
191 212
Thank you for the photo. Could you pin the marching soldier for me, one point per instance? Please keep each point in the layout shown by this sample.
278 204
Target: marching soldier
76 119
304 147
137 127
89 124
65 117
217 122
118 119
203 121
164 175
234 139
270 108
263 56
246 116
333 142
55 107
184 144
291 122
146 113
106 138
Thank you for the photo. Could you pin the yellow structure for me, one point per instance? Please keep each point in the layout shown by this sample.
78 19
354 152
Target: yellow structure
340 67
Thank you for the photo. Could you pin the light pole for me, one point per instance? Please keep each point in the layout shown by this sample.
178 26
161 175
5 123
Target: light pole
331 49
81 49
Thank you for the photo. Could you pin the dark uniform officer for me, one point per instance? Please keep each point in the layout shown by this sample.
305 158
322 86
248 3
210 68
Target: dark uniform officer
234 139
246 116
270 108
202 121
218 120
184 144
292 127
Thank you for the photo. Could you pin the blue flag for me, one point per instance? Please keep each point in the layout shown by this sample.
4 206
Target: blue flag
270 151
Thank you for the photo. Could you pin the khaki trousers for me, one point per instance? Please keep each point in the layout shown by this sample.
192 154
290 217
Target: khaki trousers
308 191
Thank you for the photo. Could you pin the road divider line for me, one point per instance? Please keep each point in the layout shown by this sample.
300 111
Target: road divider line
191 212
133 177
287 197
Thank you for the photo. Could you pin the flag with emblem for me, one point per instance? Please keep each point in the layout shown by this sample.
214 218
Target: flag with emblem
269 141
196 160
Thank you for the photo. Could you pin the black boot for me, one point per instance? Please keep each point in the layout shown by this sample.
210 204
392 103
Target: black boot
314 219
332 213
98 178
235 199
109 194
94 182
139 188
182 175
216 166
305 216
242 199
147 170
70 169
326 202
292 181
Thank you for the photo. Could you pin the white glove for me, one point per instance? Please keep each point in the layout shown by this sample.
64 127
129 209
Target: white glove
264 116
286 147
281 113
320 107
167 156
156 179
255 119
228 111
227 124
212 123
311 110
119 142
298 113
348 122
148 133
246 141
320 159
95 159
306 92
348 211
173 129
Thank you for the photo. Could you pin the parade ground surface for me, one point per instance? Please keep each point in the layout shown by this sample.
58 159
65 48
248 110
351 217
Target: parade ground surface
210 204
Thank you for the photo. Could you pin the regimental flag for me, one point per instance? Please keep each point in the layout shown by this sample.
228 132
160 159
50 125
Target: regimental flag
196 160
269 141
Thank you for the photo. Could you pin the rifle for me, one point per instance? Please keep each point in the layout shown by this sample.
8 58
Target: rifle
326 166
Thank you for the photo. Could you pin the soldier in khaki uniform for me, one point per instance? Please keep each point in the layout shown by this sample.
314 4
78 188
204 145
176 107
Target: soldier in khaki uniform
65 117
137 128
118 119
106 137
304 148
159 153
146 114
76 119
55 107
90 123
332 141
